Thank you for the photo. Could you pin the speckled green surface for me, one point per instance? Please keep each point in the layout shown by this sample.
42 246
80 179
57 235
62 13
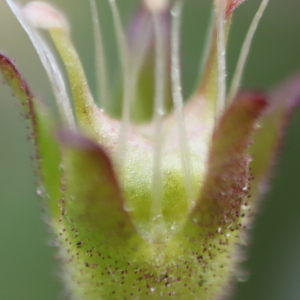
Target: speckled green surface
28 270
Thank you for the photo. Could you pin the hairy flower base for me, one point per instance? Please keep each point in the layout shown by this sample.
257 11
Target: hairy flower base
194 264
187 267
130 266
159 209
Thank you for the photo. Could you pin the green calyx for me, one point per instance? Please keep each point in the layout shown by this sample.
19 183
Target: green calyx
153 205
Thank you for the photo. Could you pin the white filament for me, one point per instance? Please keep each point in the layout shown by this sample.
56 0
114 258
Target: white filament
207 47
177 97
50 65
128 88
221 25
139 53
159 111
238 74
101 69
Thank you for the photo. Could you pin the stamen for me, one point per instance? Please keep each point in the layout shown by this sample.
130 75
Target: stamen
221 29
42 15
49 63
140 51
101 68
156 6
128 88
137 57
178 99
240 67
159 111
207 47
45 16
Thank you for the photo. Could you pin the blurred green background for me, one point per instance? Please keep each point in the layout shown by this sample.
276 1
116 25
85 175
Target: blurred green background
28 270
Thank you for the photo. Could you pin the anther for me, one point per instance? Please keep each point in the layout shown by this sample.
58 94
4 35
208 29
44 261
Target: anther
156 6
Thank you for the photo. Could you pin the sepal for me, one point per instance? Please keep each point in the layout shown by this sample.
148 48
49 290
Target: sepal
268 140
225 187
232 5
93 198
47 152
